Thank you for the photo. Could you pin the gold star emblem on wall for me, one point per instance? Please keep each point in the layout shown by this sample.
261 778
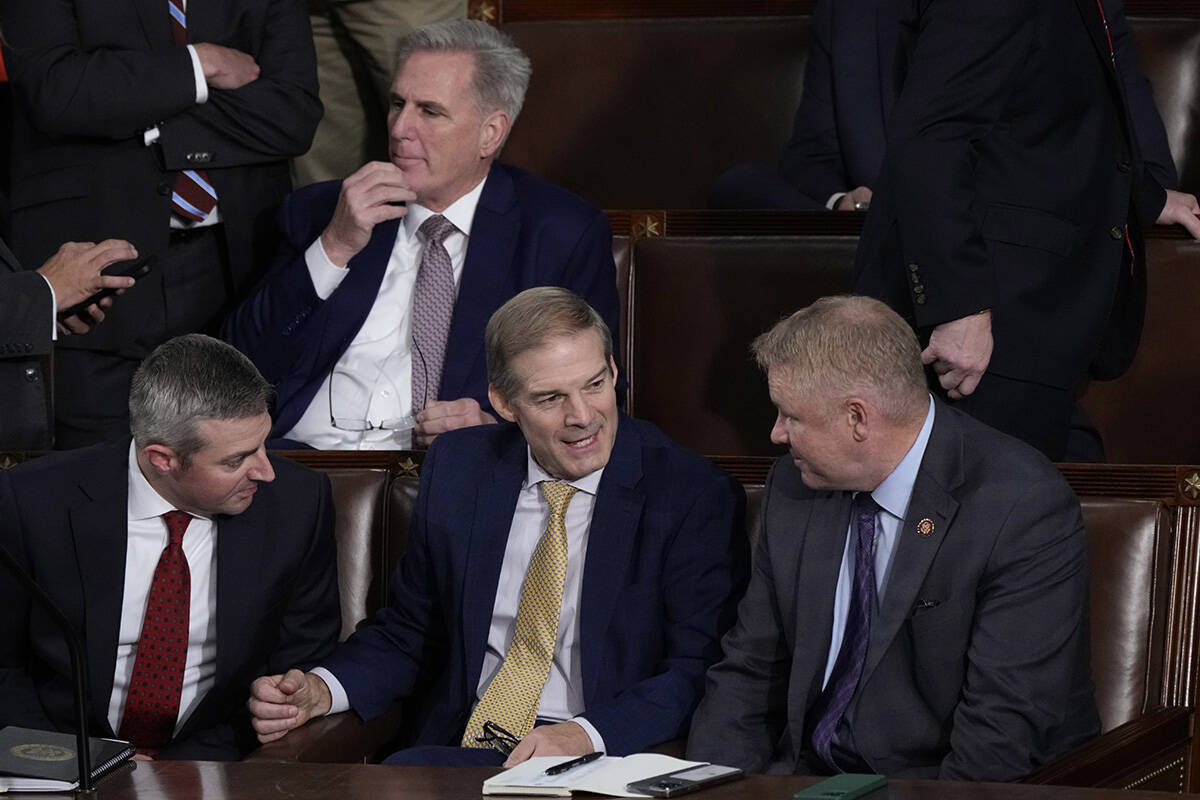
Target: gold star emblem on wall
486 12
1191 485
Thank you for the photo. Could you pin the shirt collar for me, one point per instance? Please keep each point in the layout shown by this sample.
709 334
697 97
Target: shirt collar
461 212
896 490
534 475
144 501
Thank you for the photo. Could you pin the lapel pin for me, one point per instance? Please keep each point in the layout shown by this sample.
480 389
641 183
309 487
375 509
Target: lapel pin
925 527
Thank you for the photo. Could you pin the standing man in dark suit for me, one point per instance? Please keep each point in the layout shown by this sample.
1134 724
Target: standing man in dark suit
836 149
247 574
129 116
917 604
646 555
33 307
1007 223
371 322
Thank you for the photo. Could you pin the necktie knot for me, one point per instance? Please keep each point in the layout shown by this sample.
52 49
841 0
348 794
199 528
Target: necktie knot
863 511
558 494
436 229
177 524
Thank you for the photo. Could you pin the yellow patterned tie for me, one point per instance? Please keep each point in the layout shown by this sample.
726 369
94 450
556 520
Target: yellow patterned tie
511 700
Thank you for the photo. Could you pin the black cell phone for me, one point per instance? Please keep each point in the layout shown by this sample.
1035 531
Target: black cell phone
683 781
136 268
846 786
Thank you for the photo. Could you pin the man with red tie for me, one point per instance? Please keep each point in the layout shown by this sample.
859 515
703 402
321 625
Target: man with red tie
167 123
189 561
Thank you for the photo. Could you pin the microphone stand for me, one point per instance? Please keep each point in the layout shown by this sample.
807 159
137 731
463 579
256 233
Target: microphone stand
78 667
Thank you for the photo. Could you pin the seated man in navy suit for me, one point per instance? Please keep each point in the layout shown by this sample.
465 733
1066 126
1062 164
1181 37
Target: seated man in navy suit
371 322
592 636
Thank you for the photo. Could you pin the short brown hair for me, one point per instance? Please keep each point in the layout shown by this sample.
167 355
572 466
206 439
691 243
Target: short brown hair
849 344
528 321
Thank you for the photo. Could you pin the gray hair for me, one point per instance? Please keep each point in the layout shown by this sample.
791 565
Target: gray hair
189 379
849 345
501 69
528 321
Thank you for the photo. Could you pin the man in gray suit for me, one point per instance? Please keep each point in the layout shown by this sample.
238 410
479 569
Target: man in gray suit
917 605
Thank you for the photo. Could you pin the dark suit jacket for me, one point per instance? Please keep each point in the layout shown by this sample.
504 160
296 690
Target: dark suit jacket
26 317
840 130
977 667
526 233
64 517
90 76
1009 177
661 577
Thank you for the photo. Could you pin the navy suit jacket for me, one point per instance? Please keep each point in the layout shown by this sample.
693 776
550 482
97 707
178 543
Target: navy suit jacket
526 233
1010 175
840 129
63 516
977 666
662 574
91 76
26 317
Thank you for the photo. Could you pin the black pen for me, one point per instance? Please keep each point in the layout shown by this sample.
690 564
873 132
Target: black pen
574 762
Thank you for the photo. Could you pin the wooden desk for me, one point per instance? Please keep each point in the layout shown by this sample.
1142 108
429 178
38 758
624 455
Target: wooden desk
197 780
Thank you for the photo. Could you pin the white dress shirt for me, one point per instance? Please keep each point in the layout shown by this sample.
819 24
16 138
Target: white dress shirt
562 694
147 536
372 380
893 496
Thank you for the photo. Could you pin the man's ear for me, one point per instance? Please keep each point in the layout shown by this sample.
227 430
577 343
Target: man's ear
612 364
492 132
858 417
500 404
161 458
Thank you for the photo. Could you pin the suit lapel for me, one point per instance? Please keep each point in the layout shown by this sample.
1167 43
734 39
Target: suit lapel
487 279
1096 32
155 23
824 541
615 516
495 502
939 475
99 528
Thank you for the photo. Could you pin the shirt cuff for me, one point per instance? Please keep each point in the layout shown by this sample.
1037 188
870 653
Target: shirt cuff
832 202
53 309
593 734
326 276
198 72
338 701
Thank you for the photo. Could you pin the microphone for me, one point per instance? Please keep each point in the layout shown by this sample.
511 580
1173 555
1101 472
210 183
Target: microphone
78 666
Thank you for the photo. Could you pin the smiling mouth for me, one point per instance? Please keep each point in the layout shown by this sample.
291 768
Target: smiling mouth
583 444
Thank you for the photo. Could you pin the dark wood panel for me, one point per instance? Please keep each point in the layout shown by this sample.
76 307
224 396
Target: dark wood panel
499 11
182 780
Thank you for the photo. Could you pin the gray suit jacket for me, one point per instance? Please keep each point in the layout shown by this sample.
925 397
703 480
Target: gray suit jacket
978 661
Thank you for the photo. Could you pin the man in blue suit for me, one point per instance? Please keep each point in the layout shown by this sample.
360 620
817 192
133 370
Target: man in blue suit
653 568
341 324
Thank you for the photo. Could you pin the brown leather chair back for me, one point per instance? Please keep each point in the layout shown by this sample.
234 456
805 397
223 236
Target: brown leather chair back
647 113
1170 51
696 303
1129 555
359 525
623 258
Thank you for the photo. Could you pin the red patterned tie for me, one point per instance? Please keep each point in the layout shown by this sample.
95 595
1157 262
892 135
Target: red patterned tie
194 197
152 705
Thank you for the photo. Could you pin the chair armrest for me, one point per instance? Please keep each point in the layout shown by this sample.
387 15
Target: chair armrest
336 739
1119 755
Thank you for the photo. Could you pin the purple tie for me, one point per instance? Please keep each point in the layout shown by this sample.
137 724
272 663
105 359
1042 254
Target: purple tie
827 712
433 305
